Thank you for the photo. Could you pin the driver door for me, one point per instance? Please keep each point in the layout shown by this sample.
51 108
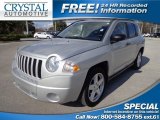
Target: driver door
44 35
119 48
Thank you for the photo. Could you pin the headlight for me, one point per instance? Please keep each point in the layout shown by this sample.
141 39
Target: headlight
70 67
52 64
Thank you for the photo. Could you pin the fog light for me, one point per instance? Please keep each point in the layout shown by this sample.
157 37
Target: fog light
52 97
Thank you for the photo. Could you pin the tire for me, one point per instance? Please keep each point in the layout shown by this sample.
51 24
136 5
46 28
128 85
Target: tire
138 62
36 37
94 90
48 37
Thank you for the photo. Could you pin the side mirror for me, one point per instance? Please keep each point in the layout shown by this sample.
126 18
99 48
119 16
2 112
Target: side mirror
117 38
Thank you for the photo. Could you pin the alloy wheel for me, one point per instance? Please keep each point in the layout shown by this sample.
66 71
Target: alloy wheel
96 87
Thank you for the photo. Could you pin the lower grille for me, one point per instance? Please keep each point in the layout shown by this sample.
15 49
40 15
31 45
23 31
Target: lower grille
29 65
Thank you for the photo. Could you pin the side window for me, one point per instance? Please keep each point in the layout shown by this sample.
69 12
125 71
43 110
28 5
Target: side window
120 29
137 29
131 30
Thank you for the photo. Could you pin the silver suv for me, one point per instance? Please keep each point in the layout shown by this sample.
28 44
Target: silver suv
79 61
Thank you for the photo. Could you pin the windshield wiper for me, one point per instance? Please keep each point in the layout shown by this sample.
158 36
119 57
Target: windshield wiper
58 37
74 37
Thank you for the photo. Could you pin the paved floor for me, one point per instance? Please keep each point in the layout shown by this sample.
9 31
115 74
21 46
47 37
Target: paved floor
125 86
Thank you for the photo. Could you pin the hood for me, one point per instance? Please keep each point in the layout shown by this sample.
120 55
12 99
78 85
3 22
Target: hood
63 47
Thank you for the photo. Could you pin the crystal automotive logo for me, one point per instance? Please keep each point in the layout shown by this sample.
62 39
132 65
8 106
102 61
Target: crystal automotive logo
25 9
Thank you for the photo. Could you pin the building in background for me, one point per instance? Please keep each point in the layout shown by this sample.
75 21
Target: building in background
146 27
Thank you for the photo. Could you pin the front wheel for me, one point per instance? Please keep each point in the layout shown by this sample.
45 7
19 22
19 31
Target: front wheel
93 92
138 61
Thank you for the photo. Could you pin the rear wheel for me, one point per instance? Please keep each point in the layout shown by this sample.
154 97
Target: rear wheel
93 92
48 37
138 61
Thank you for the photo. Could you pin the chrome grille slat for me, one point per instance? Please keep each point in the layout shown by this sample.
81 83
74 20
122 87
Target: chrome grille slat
18 61
37 68
21 62
32 66
29 65
24 64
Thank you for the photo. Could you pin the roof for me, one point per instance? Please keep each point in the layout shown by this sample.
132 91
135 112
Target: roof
98 19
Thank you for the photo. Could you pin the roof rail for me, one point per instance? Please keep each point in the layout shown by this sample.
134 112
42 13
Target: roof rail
96 18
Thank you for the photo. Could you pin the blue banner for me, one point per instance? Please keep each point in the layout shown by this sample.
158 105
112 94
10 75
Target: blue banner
144 10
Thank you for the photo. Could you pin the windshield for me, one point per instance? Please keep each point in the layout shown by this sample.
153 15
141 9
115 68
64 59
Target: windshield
86 31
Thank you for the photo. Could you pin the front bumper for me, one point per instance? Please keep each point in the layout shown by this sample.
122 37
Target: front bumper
59 89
